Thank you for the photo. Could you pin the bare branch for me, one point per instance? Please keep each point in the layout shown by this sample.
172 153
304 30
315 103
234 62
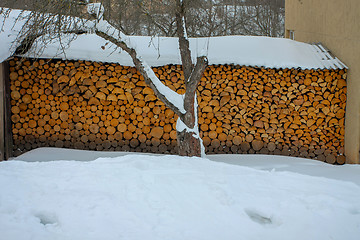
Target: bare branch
152 19
29 40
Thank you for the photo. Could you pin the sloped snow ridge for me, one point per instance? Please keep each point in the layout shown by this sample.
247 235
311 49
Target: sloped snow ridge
159 51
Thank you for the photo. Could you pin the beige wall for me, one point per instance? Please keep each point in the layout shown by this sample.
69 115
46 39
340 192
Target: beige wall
336 24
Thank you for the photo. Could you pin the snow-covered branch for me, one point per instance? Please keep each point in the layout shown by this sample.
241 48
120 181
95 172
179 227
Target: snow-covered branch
189 140
172 99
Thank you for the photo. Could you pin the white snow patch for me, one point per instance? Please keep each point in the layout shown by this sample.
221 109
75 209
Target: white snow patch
241 50
159 51
169 197
310 167
8 33
184 26
96 9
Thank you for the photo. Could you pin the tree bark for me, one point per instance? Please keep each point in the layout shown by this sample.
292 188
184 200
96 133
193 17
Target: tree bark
185 52
188 144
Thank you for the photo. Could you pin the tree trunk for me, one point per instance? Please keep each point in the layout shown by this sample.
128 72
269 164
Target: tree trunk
188 144
187 130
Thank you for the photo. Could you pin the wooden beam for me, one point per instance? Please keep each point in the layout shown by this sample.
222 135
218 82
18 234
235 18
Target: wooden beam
6 144
8 138
2 112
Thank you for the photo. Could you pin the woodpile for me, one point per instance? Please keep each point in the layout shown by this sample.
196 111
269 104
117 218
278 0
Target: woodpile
96 106
286 111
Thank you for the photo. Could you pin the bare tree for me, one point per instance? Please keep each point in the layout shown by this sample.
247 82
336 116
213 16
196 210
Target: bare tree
237 17
48 23
157 17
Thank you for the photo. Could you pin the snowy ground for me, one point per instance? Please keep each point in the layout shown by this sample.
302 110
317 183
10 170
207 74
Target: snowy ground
141 196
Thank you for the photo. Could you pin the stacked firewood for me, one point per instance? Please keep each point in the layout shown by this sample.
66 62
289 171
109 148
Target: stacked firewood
288 111
96 106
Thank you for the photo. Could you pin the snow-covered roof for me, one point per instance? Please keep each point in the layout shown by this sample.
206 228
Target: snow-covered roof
158 51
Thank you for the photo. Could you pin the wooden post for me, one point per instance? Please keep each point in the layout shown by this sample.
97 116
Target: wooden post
5 123
2 112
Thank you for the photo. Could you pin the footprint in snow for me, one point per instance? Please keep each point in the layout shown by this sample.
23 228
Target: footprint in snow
260 218
46 218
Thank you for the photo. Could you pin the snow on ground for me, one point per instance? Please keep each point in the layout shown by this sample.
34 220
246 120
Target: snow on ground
143 196
310 167
261 162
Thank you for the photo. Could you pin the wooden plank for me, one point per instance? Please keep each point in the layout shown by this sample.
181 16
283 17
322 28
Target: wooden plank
6 143
7 109
2 112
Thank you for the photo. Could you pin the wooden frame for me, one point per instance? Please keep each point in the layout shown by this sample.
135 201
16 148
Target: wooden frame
2 112
5 123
